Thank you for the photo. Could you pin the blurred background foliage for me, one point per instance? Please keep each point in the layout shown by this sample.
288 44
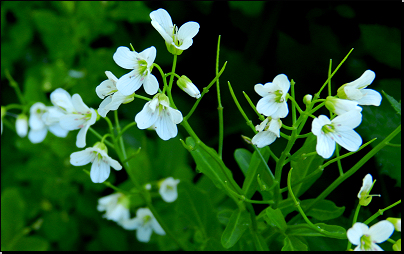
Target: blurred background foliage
47 204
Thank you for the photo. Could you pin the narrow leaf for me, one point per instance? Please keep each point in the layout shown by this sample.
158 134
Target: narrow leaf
292 243
394 103
243 158
306 230
238 223
275 218
323 210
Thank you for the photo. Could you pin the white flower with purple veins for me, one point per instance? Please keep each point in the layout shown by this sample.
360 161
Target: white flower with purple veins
366 238
159 114
168 189
112 97
101 162
145 223
141 65
356 90
268 131
273 103
116 207
177 40
76 114
339 130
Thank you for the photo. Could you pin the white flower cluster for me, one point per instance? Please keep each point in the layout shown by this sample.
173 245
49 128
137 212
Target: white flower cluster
117 205
273 105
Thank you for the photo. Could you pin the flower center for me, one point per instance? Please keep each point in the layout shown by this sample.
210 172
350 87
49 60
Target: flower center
146 219
327 128
279 96
142 69
177 42
366 242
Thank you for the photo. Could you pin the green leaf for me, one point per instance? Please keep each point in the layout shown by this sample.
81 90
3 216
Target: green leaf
323 210
250 184
275 218
30 243
243 158
303 166
306 230
12 214
292 243
212 244
395 104
259 242
209 163
238 223
224 216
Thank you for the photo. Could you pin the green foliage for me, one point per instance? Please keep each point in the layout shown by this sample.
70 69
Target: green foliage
238 223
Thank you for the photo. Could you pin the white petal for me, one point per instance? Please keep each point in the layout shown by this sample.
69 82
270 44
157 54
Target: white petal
72 121
318 123
79 104
165 127
35 119
282 110
58 131
81 136
260 127
146 117
103 109
157 228
350 140
37 136
150 84
325 146
125 58
350 119
99 171
131 224
143 234
162 22
149 55
364 80
82 157
188 30
267 105
381 231
114 163
263 138
283 82
353 93
129 83
367 183
62 99
106 88
261 90
370 97
356 232
175 115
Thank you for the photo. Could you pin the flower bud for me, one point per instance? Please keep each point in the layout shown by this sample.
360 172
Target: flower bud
101 146
21 125
307 99
341 106
396 222
187 86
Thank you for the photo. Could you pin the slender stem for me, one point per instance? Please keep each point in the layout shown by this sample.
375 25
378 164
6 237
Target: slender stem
248 121
100 137
341 172
265 163
261 117
219 102
381 211
163 76
294 104
106 183
204 91
125 129
14 85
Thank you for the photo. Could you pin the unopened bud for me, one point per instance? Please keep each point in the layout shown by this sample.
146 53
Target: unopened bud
307 99
21 125
187 86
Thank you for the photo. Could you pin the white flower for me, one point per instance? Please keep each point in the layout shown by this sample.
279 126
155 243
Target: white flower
356 91
145 223
187 86
168 189
101 162
273 103
363 194
176 39
339 130
112 97
140 64
366 238
42 119
268 131
341 106
116 207
21 125
76 114
158 112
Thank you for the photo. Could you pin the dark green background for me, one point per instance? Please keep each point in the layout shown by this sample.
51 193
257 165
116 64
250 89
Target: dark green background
42 41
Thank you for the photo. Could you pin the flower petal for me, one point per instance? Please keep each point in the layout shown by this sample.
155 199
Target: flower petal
37 135
129 83
261 90
282 110
350 119
165 127
131 224
157 228
125 58
162 22
99 171
325 146
175 115
143 234
149 55
283 82
114 163
81 136
58 131
62 99
350 140
79 104
267 105
381 231
146 117
263 138
356 232
370 97
151 85
364 80
82 158
318 123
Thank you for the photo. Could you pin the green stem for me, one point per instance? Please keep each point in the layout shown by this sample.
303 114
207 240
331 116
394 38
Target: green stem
14 85
294 104
219 102
261 117
163 76
100 137
381 211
